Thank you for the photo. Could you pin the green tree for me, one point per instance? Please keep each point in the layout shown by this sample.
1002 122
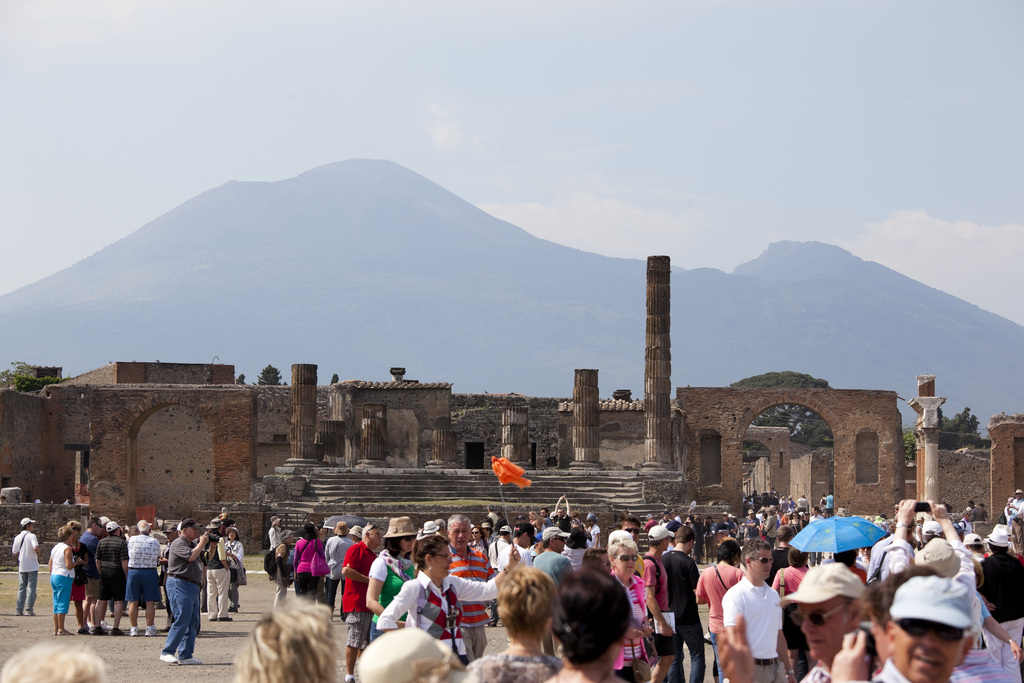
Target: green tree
269 376
910 443
785 379
240 379
18 369
960 431
334 378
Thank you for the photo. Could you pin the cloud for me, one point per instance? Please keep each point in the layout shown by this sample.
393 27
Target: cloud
604 225
61 23
977 263
444 130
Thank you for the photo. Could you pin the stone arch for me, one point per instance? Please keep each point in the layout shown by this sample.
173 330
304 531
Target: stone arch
118 414
170 459
729 411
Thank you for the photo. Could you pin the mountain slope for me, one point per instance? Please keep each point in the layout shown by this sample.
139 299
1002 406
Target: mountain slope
361 265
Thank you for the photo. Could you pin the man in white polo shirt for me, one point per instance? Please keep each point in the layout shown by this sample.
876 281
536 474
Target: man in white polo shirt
755 600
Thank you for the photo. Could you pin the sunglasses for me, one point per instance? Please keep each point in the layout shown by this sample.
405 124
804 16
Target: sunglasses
628 558
919 627
762 560
632 531
816 618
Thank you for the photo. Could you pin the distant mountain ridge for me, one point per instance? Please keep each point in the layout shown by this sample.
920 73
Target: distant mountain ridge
361 265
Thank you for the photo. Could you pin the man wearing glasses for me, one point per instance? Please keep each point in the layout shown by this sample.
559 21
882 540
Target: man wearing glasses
633 526
827 608
754 600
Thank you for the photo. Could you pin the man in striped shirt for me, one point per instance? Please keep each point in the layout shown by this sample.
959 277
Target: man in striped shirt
469 563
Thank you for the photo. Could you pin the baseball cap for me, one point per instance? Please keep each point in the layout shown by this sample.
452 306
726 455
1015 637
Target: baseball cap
26 521
552 532
932 528
591 517
505 529
932 598
658 534
189 522
673 526
112 527
973 539
825 582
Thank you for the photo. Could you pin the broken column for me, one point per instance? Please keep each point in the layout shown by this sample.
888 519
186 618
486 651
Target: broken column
302 425
926 404
514 435
586 418
658 366
373 444
443 449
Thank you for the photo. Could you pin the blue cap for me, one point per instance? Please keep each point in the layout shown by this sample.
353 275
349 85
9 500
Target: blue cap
933 598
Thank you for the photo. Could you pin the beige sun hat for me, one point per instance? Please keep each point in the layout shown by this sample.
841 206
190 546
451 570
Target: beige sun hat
408 655
824 582
400 526
940 556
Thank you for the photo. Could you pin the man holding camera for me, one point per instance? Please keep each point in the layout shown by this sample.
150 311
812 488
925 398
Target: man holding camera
184 583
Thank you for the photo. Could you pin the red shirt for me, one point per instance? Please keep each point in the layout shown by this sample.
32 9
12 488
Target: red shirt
359 557
475 567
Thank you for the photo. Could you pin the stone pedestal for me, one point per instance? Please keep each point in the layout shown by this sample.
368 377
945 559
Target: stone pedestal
658 366
373 444
586 414
514 435
302 427
443 449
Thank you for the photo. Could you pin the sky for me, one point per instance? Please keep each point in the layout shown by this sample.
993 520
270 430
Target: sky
705 130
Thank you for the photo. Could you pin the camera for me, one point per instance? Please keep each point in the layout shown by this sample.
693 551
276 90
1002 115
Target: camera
214 537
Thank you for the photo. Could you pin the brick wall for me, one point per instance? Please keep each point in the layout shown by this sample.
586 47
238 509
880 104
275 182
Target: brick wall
20 416
1007 470
477 418
48 519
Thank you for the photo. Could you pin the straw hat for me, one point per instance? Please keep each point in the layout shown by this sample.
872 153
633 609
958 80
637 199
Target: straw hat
408 655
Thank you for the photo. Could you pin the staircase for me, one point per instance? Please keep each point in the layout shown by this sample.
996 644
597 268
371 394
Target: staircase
402 488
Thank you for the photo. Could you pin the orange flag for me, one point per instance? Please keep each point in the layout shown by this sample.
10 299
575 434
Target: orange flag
508 472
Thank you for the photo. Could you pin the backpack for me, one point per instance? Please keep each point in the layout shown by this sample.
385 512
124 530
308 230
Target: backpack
270 563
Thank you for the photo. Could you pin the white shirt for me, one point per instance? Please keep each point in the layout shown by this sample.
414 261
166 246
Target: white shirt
594 537
407 600
759 606
25 546
525 558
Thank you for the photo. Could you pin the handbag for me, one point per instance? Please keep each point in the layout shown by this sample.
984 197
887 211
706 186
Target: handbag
641 667
318 566
242 580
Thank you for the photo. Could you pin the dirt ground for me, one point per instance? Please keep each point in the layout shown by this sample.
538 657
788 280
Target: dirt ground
137 659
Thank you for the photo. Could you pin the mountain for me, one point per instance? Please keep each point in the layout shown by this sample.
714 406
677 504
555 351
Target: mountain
361 265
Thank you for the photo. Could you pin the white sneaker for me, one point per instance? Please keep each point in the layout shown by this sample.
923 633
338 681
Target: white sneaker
190 660
105 626
170 659
150 631
133 631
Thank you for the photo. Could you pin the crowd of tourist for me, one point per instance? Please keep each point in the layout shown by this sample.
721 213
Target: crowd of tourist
931 601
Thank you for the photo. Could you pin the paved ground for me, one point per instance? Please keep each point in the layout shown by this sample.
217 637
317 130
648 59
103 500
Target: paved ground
136 659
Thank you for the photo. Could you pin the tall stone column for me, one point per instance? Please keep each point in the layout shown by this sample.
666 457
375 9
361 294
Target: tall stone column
926 404
443 449
586 416
302 426
658 366
514 435
373 445
330 438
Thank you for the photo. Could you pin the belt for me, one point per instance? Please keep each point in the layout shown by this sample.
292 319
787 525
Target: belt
766 662
139 569
185 578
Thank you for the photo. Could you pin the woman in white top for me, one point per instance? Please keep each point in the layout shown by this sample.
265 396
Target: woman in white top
431 599
236 553
62 574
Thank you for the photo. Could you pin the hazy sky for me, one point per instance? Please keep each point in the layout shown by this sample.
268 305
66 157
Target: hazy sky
702 130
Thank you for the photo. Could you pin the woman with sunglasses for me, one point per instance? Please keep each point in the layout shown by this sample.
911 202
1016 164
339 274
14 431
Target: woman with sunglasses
623 553
431 600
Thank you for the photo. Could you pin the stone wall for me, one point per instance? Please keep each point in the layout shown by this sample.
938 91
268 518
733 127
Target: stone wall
963 476
48 519
20 416
476 418
1007 470
622 434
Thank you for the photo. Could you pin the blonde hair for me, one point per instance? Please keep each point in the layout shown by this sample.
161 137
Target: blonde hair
54 663
65 532
293 642
525 601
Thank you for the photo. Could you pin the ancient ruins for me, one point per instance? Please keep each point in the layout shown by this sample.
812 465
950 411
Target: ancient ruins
181 438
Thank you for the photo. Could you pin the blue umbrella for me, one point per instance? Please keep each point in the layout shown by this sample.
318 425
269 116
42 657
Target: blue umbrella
836 534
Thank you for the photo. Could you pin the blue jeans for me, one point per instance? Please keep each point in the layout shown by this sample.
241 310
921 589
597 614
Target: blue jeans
184 598
714 649
693 636
374 633
27 584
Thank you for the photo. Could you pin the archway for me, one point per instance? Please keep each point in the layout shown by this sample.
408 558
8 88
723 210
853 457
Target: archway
171 447
789 448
